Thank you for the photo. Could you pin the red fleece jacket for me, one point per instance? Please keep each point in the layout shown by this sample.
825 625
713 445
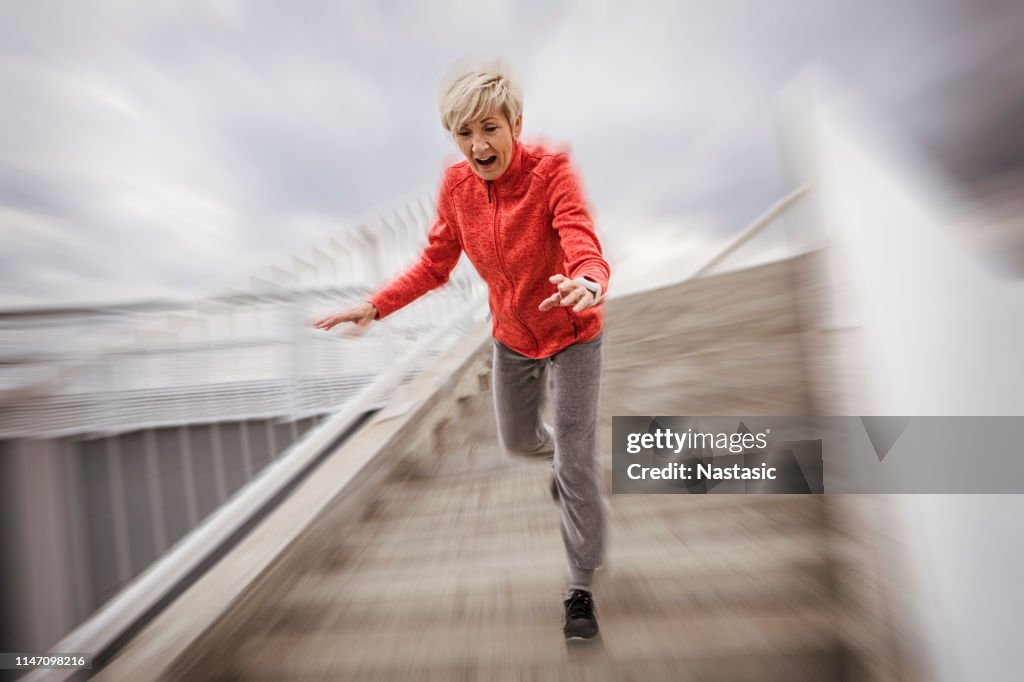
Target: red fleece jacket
518 230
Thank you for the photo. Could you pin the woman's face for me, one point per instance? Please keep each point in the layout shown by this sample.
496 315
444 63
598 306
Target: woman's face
487 143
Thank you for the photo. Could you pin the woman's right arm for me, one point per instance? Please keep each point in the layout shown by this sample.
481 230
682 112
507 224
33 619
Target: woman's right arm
430 271
433 267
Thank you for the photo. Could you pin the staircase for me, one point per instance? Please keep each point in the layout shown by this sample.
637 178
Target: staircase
452 566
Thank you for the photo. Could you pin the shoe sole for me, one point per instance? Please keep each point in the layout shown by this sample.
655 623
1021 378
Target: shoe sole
585 638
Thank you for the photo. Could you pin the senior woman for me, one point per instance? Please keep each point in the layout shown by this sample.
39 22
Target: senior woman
518 213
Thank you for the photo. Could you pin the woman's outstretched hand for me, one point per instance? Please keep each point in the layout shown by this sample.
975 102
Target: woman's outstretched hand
361 315
569 293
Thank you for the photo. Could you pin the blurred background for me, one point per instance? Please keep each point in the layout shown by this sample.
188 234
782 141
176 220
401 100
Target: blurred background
809 208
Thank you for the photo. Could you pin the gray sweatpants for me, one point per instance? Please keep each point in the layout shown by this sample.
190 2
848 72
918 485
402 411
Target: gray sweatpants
519 383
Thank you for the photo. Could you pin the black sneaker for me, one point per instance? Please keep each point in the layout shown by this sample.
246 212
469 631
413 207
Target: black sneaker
580 621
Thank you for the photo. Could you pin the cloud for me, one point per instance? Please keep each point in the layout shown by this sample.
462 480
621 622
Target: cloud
175 142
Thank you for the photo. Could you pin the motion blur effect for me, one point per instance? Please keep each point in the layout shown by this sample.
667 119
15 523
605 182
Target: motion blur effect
809 208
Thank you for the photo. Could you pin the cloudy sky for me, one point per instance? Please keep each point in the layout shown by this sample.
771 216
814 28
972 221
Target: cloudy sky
160 149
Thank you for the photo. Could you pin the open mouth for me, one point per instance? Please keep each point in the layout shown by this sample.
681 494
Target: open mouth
488 162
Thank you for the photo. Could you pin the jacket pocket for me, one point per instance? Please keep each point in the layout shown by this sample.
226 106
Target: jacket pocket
573 323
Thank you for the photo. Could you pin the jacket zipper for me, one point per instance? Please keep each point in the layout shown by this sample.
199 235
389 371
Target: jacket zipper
572 321
501 262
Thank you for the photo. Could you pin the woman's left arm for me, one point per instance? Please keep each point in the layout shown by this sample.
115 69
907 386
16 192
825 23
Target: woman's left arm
583 257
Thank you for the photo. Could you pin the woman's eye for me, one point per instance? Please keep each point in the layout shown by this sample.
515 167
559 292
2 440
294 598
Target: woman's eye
491 129
463 133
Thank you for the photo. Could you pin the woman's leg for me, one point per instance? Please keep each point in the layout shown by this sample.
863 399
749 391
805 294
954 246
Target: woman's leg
577 392
518 391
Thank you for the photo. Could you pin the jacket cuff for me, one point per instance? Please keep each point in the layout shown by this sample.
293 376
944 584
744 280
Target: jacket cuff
382 309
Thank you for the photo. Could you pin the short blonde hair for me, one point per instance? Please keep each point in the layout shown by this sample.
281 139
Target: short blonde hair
472 89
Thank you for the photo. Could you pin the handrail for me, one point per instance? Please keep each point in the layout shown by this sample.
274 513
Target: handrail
752 230
169 572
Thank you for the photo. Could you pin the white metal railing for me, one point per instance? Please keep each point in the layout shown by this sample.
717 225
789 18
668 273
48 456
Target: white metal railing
294 372
243 355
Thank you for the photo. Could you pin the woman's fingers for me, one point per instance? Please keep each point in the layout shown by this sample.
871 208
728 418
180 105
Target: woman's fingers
326 323
569 293
564 286
567 287
573 296
335 320
551 301
585 302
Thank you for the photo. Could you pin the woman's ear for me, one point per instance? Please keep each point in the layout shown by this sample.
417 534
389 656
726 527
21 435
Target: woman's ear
518 127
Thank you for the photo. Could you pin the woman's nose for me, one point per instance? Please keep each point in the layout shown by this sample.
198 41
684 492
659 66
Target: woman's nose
479 145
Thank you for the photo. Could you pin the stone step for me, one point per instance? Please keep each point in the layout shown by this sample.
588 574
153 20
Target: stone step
536 546
687 517
405 652
318 604
546 574
725 554
452 546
